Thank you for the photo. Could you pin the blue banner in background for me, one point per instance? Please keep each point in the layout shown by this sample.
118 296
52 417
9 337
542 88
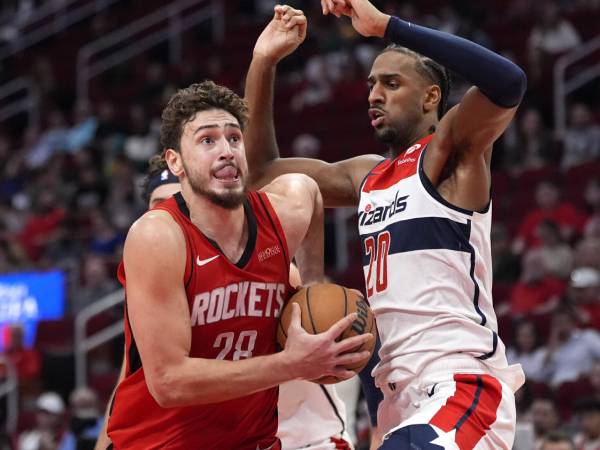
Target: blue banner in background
29 297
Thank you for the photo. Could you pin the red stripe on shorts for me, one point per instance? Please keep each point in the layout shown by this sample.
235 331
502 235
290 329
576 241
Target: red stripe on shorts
471 410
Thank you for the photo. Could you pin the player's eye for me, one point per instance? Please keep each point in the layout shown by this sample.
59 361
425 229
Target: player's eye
392 84
207 140
234 139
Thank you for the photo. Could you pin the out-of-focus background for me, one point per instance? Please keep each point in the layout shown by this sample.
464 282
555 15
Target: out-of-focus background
82 85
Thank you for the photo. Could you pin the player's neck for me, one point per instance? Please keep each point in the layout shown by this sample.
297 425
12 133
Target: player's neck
227 227
418 133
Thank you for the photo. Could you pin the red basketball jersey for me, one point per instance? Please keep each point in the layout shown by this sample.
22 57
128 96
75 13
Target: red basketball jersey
233 309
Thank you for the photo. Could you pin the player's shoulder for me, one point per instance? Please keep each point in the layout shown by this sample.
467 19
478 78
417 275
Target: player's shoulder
291 187
155 229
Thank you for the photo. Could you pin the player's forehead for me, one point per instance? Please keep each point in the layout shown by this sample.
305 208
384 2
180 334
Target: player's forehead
164 191
211 118
392 63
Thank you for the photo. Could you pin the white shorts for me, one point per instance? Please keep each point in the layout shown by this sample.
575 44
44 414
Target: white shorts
468 411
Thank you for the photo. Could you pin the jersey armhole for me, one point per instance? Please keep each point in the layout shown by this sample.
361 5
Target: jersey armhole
276 224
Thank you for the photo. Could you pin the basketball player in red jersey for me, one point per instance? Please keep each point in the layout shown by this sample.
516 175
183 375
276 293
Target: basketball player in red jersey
206 275
424 218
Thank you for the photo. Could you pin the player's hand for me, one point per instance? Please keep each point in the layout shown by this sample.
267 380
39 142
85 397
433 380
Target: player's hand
313 356
282 35
366 19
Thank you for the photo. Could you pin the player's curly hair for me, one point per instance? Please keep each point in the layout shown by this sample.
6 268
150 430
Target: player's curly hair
185 103
430 69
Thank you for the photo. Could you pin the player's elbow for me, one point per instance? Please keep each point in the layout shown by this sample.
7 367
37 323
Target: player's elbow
510 90
163 389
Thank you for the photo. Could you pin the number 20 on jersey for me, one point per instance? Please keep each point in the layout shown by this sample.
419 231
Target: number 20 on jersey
377 249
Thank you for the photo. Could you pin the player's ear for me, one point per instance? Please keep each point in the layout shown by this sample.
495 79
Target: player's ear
432 98
173 159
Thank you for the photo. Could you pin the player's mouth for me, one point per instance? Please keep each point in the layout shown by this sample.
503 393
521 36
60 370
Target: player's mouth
377 117
228 174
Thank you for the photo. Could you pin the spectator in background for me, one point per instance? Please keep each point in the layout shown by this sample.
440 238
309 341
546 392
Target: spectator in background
536 292
533 147
552 36
592 200
506 265
581 142
97 282
572 352
584 293
50 432
555 254
306 145
54 139
27 361
142 142
86 418
594 378
83 131
557 441
588 415
549 206
526 351
545 419
42 224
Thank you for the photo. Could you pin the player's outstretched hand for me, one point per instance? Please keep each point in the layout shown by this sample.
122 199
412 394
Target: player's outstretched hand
366 19
312 356
282 35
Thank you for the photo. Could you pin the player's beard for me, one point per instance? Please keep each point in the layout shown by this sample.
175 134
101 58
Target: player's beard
398 134
229 199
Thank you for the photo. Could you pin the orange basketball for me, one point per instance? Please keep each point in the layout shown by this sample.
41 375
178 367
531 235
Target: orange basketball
324 304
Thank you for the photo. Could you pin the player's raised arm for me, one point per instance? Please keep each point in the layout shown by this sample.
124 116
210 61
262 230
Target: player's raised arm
486 109
339 183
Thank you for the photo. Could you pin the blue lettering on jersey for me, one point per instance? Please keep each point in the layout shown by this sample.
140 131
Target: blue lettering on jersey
382 213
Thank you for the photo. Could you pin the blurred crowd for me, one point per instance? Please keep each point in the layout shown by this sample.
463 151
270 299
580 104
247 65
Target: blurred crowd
70 188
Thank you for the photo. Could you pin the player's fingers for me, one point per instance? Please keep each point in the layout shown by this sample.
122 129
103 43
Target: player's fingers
296 21
351 343
352 358
343 374
338 328
357 292
278 12
296 319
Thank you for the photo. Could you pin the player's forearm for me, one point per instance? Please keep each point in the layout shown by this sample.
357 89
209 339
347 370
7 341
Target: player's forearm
199 381
259 135
502 81
311 253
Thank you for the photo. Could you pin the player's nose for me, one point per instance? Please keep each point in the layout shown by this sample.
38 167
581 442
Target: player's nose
376 94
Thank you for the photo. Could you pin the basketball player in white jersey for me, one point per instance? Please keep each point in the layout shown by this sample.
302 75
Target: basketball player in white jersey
424 220
311 416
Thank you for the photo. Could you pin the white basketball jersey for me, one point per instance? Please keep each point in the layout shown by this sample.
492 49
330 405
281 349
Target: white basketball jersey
309 415
428 273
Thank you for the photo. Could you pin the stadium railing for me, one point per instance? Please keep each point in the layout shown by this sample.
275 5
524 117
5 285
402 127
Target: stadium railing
164 24
83 343
17 96
564 85
9 388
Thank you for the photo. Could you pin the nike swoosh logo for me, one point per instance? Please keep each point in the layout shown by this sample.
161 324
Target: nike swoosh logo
202 262
430 393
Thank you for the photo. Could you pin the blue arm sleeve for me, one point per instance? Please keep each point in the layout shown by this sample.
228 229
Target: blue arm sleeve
502 81
372 394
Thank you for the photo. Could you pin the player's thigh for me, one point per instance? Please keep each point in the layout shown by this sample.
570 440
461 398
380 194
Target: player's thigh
471 412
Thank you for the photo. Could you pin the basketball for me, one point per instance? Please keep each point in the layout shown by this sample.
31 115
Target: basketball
321 306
